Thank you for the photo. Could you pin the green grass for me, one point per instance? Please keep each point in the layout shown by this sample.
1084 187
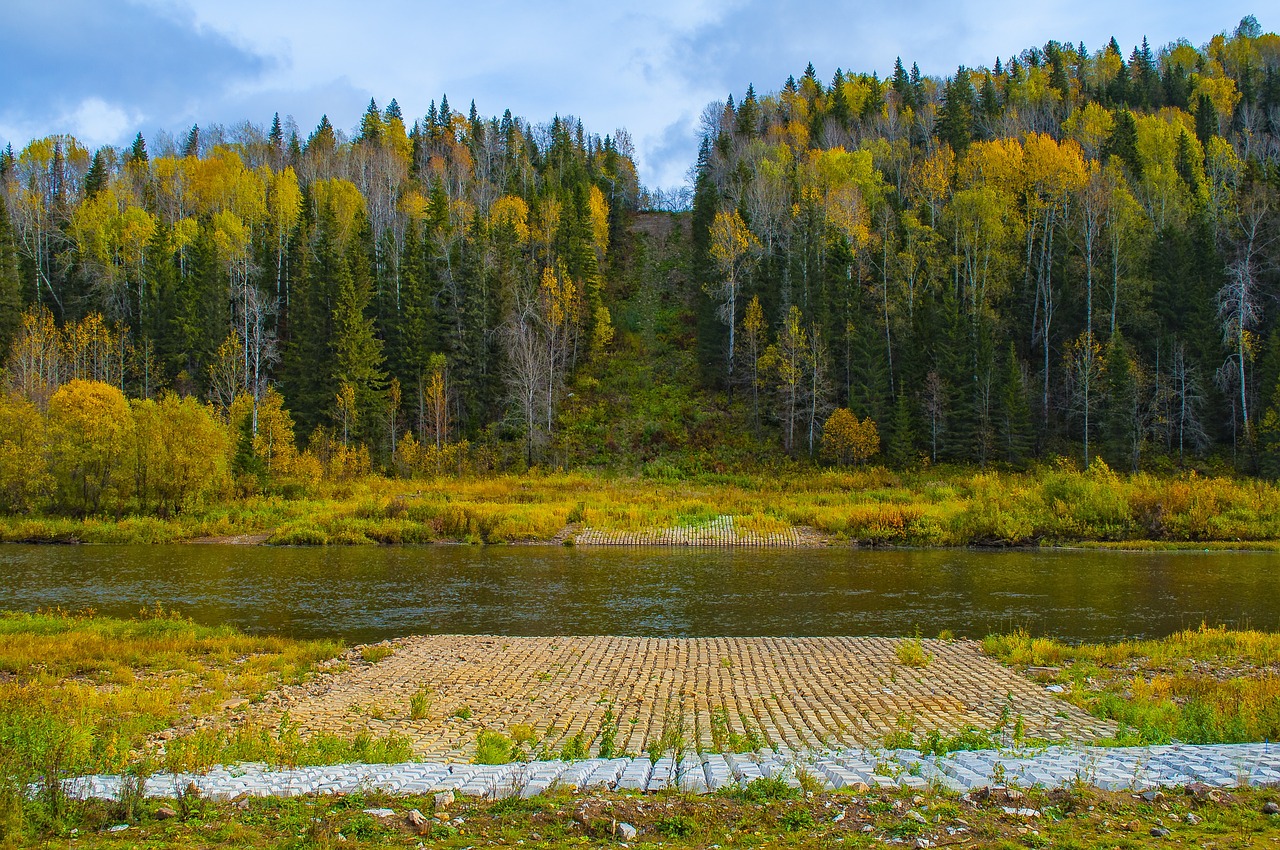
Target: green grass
1201 686
85 694
1070 818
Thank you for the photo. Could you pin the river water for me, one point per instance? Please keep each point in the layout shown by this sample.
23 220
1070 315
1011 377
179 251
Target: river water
363 594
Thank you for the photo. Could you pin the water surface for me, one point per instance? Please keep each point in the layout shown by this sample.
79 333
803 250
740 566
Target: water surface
362 594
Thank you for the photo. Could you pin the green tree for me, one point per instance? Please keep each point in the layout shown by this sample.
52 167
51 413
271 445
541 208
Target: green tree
10 284
959 104
1269 438
356 347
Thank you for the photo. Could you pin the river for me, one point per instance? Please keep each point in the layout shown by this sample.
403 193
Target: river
364 594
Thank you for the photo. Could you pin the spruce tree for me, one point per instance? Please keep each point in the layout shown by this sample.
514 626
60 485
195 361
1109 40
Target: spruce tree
95 180
357 350
323 140
955 118
1123 143
902 85
371 125
1269 438
276 136
1122 441
191 148
1015 431
10 284
138 150
1206 119
902 450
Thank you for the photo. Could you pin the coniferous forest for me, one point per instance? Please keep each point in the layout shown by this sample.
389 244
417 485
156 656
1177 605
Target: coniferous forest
1071 252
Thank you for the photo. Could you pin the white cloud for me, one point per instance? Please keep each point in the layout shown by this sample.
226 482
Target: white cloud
96 122
650 67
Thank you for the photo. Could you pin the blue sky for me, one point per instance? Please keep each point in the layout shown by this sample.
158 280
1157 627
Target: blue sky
105 69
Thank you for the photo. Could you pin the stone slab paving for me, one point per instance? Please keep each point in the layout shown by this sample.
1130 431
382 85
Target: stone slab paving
793 693
1116 769
724 530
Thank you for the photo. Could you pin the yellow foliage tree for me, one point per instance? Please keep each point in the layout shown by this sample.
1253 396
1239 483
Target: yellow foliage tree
846 440
733 247
33 368
90 435
24 474
599 209
510 211
275 444
181 451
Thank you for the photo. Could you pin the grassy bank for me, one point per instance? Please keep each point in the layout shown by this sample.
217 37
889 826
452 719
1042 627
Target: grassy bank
765 814
1200 686
1055 505
81 694
85 694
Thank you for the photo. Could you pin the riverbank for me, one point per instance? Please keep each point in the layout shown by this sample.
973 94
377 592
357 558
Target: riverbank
761 814
83 695
1052 505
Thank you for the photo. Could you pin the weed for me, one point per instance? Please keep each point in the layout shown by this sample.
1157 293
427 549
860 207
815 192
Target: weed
495 748
574 749
809 781
462 712
727 739
911 653
906 828
608 734
377 652
766 789
674 826
420 703
797 820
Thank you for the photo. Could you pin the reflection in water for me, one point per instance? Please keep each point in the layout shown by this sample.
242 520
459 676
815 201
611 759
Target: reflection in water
368 593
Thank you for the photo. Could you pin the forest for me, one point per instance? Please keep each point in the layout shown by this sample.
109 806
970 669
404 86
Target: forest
1067 254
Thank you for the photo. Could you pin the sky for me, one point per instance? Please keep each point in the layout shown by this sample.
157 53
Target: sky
104 70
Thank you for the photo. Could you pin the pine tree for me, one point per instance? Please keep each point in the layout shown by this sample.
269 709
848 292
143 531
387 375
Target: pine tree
192 146
1206 119
371 125
138 150
95 180
955 118
1123 143
276 136
1015 432
10 284
357 350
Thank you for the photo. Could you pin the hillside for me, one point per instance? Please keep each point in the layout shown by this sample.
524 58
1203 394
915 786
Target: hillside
1070 252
